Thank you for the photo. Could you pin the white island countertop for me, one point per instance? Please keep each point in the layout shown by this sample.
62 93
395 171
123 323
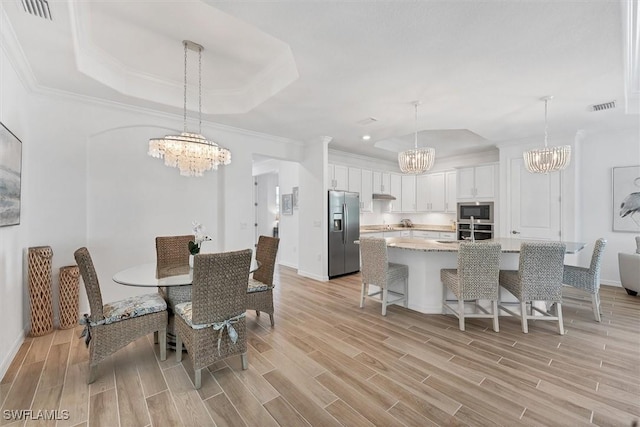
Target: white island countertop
508 245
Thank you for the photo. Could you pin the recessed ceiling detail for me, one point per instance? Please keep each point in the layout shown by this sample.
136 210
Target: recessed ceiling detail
133 52
447 142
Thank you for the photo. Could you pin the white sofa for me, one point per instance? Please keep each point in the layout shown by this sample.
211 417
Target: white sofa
629 265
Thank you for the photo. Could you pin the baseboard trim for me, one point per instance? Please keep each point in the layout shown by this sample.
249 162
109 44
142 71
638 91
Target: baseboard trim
611 283
286 264
313 276
4 367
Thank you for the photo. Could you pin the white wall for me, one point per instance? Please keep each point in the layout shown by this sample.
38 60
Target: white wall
289 232
599 153
14 115
312 259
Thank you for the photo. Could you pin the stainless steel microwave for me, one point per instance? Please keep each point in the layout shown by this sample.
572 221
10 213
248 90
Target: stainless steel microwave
482 212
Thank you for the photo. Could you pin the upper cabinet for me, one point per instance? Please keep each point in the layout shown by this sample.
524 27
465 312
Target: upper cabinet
451 198
338 178
430 193
355 180
366 201
408 193
477 182
381 183
435 192
396 191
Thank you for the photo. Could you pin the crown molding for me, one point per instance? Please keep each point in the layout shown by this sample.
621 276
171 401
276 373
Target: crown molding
14 52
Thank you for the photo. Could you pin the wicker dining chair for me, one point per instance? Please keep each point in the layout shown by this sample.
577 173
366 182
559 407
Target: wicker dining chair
260 288
378 271
539 278
172 258
112 326
588 279
475 279
212 326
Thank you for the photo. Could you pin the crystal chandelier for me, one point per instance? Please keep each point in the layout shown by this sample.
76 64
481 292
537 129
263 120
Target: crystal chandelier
417 160
545 160
190 152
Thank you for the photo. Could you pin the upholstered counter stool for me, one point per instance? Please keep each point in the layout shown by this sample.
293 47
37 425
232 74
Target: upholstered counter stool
378 271
475 279
539 278
588 279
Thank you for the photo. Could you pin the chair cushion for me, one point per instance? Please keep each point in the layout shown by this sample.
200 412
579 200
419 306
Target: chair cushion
134 306
257 286
185 311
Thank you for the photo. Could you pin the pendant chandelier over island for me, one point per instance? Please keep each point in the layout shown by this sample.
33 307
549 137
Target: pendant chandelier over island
545 160
417 160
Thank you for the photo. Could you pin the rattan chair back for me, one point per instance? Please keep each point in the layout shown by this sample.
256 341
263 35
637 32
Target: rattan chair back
540 271
479 270
220 286
266 253
91 284
172 253
375 261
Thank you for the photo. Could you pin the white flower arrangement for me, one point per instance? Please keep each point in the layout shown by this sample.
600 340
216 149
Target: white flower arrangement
200 236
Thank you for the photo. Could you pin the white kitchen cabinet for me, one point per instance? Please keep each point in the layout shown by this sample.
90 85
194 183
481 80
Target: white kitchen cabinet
448 236
450 203
434 235
354 180
381 183
430 192
396 191
338 178
408 193
366 202
476 182
378 234
393 234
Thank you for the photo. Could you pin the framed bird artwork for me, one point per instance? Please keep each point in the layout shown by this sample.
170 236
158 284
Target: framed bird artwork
626 199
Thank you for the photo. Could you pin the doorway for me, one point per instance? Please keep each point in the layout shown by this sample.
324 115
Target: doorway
534 203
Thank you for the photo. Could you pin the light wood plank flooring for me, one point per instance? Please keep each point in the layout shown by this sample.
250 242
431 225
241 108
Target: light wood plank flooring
329 363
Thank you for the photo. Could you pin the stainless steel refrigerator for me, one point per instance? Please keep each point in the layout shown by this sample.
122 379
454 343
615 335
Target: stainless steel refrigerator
344 229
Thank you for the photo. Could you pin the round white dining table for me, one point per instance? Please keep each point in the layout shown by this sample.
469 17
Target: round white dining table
144 275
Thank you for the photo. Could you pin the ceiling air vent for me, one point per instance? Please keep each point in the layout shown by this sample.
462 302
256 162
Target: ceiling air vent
37 8
367 121
603 106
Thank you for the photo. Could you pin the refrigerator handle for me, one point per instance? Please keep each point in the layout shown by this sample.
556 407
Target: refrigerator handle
346 223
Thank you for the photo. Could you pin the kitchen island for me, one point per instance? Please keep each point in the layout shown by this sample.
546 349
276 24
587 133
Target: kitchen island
425 258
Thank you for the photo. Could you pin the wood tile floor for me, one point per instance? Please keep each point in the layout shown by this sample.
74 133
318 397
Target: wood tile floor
329 363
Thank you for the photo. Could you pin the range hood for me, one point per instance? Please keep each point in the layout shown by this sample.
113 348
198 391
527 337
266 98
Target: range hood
380 196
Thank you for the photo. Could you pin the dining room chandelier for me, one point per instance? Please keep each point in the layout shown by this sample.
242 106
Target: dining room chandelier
547 159
190 152
416 160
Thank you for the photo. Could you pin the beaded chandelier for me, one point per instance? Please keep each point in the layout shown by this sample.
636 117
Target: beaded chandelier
417 160
547 159
190 152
